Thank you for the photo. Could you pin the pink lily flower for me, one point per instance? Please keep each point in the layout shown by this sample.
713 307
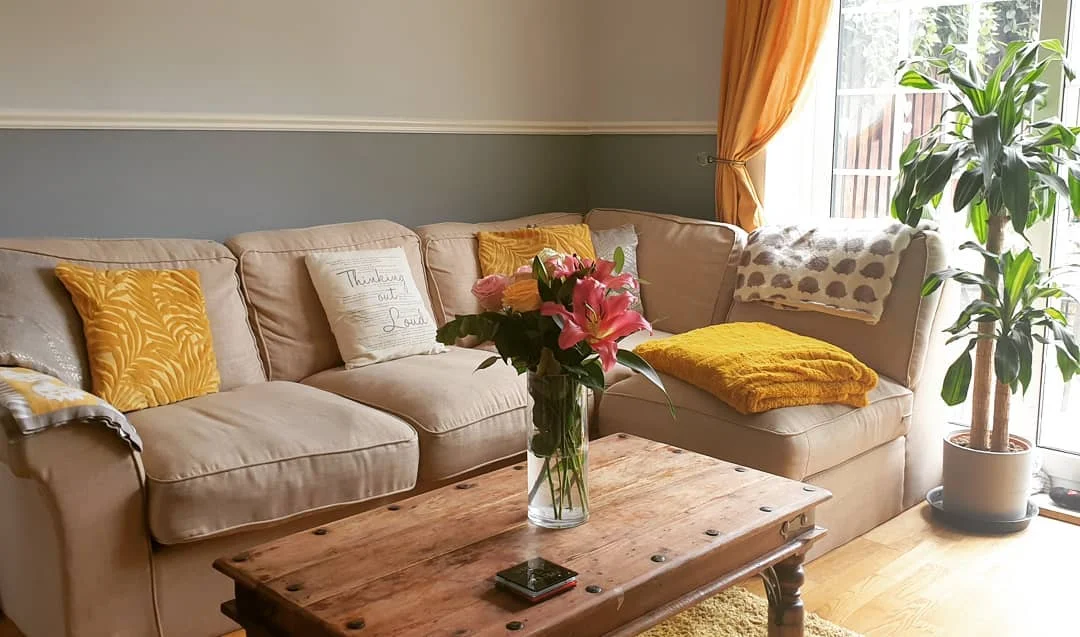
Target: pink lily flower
598 318
605 274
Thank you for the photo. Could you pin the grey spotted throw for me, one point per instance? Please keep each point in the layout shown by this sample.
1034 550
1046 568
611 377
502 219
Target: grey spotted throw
844 268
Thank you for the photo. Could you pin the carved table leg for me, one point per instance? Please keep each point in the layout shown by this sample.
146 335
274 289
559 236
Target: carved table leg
782 584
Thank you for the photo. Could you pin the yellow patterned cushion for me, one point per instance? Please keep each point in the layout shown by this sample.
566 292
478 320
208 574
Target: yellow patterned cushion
504 252
147 334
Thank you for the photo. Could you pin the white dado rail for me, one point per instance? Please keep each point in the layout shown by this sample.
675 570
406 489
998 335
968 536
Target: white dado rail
91 120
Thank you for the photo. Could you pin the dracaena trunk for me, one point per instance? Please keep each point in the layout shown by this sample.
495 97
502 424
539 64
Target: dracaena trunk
983 375
999 441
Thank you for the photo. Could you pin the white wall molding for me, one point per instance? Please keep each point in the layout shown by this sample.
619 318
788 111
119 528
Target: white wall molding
114 120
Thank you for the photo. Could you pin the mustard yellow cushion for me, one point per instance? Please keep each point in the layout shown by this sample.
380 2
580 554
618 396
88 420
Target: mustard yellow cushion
755 367
504 252
147 334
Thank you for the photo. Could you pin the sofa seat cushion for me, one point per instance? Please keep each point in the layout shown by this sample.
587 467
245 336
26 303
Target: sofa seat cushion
264 453
794 442
465 419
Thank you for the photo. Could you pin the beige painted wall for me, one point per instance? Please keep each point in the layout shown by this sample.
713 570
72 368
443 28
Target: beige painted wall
654 60
459 59
477 60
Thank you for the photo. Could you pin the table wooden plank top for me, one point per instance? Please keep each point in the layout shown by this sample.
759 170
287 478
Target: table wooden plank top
664 522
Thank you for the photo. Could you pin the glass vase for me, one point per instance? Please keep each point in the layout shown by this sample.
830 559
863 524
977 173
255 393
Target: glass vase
558 451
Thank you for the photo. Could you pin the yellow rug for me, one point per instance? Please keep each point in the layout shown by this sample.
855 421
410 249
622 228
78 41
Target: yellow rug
736 613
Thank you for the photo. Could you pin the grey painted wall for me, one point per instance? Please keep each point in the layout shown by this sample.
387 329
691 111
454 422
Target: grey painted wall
659 173
213 184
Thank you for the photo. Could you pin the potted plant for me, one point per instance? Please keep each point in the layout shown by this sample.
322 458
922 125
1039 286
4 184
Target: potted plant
560 320
1005 170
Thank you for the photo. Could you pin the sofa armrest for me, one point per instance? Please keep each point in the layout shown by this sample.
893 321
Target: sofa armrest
74 546
689 265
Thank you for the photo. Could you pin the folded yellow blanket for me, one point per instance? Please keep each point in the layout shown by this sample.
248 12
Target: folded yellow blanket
755 367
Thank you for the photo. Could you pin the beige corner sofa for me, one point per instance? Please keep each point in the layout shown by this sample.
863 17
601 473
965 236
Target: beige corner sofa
96 539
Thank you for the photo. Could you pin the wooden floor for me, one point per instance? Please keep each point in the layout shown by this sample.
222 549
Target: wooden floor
910 577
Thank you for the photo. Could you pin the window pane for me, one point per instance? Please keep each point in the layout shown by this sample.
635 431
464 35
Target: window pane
934 27
922 111
858 196
1061 402
869 49
875 119
1004 22
864 131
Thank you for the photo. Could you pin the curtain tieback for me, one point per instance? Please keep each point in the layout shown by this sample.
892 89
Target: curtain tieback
713 159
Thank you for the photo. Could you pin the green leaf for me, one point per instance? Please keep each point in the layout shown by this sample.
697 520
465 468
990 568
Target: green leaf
987 138
979 311
1056 314
1054 45
913 79
901 203
1055 182
620 259
640 365
1016 187
1006 361
1074 192
1066 365
969 185
482 326
1021 338
989 258
958 378
540 271
909 153
932 283
939 169
488 362
978 97
979 219
1018 273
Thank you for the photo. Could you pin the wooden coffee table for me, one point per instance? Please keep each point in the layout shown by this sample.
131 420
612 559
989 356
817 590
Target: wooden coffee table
669 528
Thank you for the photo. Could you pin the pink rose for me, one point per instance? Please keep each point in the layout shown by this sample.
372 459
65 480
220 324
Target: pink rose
489 291
564 266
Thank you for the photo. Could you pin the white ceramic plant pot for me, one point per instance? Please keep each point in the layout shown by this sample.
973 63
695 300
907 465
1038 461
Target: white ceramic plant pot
988 485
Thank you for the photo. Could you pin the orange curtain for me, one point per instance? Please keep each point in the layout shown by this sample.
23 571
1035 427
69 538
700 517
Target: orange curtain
769 47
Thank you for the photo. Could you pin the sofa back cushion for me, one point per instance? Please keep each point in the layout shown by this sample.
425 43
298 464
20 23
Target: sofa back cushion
896 345
688 265
451 255
38 320
291 327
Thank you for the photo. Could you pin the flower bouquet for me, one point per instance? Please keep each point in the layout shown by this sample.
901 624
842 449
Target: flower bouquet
559 319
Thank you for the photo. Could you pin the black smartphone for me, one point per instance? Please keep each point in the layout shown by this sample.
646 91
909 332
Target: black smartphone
536 579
